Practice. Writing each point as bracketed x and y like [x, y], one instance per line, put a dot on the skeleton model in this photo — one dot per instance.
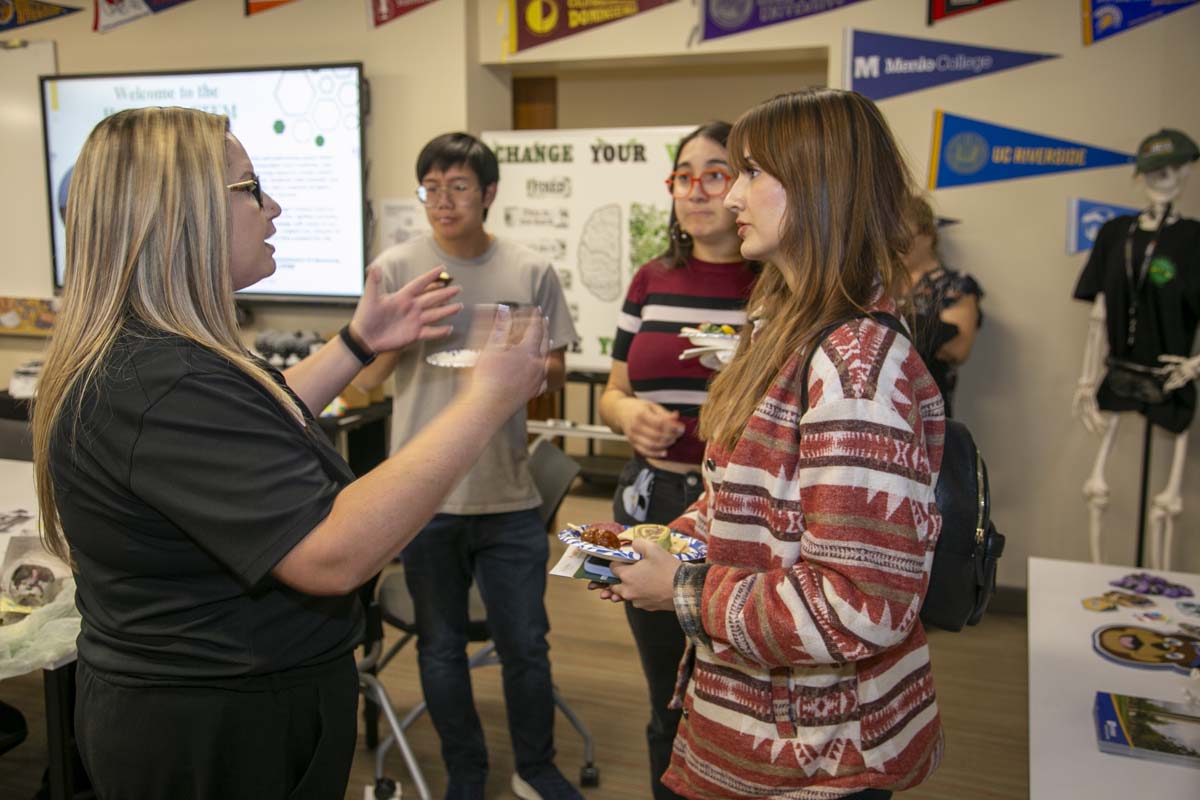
[1137, 322]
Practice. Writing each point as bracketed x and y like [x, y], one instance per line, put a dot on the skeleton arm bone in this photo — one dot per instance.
[1084, 402]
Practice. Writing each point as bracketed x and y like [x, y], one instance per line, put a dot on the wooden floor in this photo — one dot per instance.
[981, 677]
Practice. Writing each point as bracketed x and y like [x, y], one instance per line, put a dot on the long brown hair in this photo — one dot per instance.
[843, 237]
[147, 240]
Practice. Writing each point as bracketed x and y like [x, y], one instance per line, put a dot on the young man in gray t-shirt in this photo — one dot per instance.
[488, 529]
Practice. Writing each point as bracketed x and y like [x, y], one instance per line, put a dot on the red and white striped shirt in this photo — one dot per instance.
[808, 671]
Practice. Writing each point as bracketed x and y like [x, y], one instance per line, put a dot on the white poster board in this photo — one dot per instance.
[400, 219]
[594, 203]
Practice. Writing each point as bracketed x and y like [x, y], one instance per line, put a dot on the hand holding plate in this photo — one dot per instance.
[649, 583]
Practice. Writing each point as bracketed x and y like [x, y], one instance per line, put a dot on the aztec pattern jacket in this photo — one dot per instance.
[807, 673]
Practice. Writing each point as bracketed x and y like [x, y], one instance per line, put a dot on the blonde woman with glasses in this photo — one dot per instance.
[216, 536]
[807, 673]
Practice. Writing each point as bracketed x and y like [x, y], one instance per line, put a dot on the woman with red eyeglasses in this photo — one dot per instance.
[654, 397]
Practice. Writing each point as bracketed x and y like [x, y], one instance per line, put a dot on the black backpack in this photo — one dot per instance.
[963, 576]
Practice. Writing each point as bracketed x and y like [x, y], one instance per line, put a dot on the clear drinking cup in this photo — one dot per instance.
[472, 328]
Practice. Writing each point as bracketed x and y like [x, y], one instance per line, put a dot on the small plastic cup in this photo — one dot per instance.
[472, 327]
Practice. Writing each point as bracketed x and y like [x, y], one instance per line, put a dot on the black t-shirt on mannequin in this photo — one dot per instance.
[1167, 307]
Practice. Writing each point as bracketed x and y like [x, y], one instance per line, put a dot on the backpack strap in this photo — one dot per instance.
[882, 317]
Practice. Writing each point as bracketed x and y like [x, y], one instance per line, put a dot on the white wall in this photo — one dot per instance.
[674, 95]
[1016, 391]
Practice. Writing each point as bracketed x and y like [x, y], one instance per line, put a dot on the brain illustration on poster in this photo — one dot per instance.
[593, 203]
[599, 253]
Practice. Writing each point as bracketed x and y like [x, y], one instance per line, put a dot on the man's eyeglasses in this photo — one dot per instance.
[456, 190]
[712, 183]
[253, 186]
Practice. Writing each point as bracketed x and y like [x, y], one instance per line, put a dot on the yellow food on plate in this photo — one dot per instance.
[660, 535]
[720, 328]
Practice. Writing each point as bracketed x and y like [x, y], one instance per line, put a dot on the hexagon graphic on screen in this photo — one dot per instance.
[316, 106]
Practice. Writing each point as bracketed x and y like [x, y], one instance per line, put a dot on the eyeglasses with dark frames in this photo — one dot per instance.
[253, 186]
[712, 183]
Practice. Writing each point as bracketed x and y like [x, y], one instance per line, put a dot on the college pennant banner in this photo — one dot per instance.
[727, 17]
[534, 22]
[111, 13]
[967, 151]
[1085, 218]
[940, 9]
[258, 6]
[384, 11]
[16, 13]
[881, 65]
[1105, 18]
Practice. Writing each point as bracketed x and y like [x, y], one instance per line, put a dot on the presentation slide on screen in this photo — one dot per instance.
[594, 203]
[301, 128]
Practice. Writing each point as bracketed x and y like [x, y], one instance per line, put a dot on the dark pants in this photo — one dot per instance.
[506, 554]
[660, 641]
[288, 735]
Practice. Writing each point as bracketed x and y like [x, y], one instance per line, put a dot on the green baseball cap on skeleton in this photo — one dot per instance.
[1167, 148]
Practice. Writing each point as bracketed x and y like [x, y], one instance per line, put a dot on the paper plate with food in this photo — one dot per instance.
[615, 541]
[711, 334]
[462, 358]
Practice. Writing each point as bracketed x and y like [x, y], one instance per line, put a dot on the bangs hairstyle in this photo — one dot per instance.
[843, 238]
[459, 149]
[147, 240]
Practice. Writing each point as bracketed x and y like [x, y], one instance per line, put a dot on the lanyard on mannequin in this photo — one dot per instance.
[1136, 283]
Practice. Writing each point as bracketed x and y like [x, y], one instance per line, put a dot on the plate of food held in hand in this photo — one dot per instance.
[614, 541]
[711, 334]
[716, 359]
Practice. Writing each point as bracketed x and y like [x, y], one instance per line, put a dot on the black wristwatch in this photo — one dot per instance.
[361, 353]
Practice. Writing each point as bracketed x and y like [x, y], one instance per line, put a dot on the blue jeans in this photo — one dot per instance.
[506, 553]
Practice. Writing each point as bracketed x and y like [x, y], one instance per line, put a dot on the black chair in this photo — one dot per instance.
[13, 729]
[553, 473]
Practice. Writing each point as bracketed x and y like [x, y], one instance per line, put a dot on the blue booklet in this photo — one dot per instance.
[598, 569]
[1145, 728]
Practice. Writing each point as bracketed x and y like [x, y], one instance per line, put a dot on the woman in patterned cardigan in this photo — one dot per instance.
[807, 673]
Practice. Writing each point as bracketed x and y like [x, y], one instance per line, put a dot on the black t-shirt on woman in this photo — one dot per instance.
[187, 483]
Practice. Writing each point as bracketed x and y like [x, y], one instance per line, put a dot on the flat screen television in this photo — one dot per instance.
[303, 129]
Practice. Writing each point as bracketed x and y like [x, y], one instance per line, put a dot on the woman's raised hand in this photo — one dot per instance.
[512, 365]
[393, 321]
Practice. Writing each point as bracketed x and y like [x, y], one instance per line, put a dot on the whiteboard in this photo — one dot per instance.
[594, 203]
[25, 268]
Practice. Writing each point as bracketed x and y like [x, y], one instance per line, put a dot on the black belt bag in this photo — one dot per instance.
[1137, 382]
